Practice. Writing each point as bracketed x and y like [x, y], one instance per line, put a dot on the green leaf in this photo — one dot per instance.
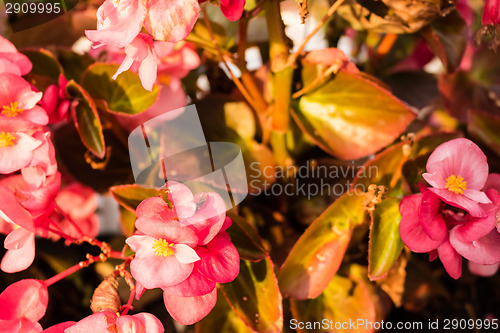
[318, 253]
[222, 319]
[73, 64]
[130, 196]
[123, 95]
[351, 117]
[246, 239]
[345, 300]
[86, 119]
[44, 63]
[385, 242]
[447, 38]
[255, 297]
[484, 127]
[127, 221]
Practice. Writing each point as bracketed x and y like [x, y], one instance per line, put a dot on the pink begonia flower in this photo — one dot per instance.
[17, 144]
[171, 20]
[428, 225]
[11, 61]
[189, 293]
[79, 203]
[22, 305]
[55, 101]
[22, 215]
[219, 262]
[44, 162]
[491, 12]
[232, 9]
[164, 250]
[457, 171]
[175, 61]
[108, 321]
[59, 328]
[140, 50]
[483, 270]
[118, 22]
[19, 101]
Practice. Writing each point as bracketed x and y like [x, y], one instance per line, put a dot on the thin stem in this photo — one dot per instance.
[236, 81]
[320, 24]
[73, 269]
[256, 10]
[129, 306]
[279, 51]
[320, 78]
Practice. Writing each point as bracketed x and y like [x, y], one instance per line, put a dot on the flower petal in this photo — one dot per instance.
[430, 215]
[153, 271]
[21, 258]
[171, 233]
[485, 250]
[451, 260]
[220, 261]
[460, 157]
[460, 201]
[410, 230]
[185, 253]
[172, 20]
[26, 299]
[209, 219]
[483, 270]
[195, 285]
[189, 310]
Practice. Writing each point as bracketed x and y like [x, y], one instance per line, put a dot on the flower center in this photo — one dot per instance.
[163, 248]
[456, 184]
[6, 139]
[12, 110]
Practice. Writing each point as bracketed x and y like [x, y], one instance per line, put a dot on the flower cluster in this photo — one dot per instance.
[30, 180]
[119, 25]
[457, 215]
[184, 250]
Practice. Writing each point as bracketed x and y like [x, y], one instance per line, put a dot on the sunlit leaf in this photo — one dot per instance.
[351, 117]
[344, 301]
[255, 297]
[385, 242]
[130, 196]
[318, 253]
[124, 95]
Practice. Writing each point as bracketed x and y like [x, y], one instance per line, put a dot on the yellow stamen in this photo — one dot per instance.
[12, 110]
[6, 139]
[163, 248]
[456, 184]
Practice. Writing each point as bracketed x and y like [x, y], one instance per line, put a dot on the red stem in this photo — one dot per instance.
[128, 306]
[73, 269]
